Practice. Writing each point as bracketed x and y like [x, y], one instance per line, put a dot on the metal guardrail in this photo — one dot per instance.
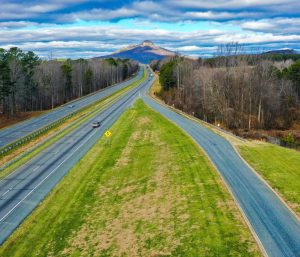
[12, 146]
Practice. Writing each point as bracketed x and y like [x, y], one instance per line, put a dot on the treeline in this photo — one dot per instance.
[251, 59]
[230, 91]
[28, 83]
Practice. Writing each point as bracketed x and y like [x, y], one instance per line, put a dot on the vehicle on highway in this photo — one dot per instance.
[96, 124]
[71, 105]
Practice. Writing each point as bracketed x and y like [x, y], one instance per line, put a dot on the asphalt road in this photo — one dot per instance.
[22, 191]
[277, 228]
[20, 130]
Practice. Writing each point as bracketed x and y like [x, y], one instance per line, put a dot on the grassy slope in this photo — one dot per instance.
[279, 166]
[149, 191]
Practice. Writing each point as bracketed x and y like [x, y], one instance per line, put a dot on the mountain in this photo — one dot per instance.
[282, 51]
[143, 53]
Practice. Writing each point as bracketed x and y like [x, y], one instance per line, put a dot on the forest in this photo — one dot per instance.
[235, 90]
[28, 83]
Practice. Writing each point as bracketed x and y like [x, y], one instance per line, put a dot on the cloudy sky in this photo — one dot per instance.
[80, 28]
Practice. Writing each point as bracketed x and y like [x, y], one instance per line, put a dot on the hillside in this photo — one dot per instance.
[282, 51]
[143, 53]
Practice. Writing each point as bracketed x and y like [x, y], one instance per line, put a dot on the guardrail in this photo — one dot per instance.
[16, 144]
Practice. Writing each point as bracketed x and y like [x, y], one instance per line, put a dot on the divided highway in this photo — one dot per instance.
[22, 191]
[275, 225]
[20, 130]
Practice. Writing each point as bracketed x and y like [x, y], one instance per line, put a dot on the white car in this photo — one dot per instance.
[96, 124]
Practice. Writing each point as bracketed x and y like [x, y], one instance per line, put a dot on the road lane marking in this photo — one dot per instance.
[41, 182]
[36, 168]
[5, 193]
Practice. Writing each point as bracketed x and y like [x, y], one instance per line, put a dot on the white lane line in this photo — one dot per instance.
[5, 193]
[36, 168]
[41, 182]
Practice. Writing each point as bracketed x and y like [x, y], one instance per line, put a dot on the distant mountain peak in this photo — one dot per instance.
[147, 43]
[144, 52]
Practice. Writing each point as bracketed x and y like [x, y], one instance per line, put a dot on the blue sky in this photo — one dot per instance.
[80, 28]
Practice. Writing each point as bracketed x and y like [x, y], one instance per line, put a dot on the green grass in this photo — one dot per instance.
[148, 191]
[279, 166]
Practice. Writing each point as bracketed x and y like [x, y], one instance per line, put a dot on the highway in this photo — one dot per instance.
[22, 129]
[274, 224]
[23, 190]
[276, 227]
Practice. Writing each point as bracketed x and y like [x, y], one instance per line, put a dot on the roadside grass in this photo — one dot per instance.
[60, 131]
[279, 166]
[147, 191]
[156, 88]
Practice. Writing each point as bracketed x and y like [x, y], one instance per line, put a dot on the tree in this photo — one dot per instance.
[4, 79]
[28, 83]
[16, 76]
[166, 77]
[29, 62]
[67, 76]
[293, 74]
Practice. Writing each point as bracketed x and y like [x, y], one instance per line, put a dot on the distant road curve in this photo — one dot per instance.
[22, 129]
[275, 225]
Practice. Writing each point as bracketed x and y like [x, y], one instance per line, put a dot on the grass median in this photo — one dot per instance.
[148, 191]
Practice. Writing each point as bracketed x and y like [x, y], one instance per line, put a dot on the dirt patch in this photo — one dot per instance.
[143, 120]
[125, 156]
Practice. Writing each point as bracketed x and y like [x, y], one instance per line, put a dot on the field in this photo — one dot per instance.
[279, 166]
[146, 191]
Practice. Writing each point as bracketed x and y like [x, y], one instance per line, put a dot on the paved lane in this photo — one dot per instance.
[22, 129]
[277, 228]
[22, 191]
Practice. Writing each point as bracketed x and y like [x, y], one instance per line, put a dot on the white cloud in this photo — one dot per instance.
[275, 25]
[230, 4]
[99, 14]
[252, 22]
[21, 10]
[82, 39]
